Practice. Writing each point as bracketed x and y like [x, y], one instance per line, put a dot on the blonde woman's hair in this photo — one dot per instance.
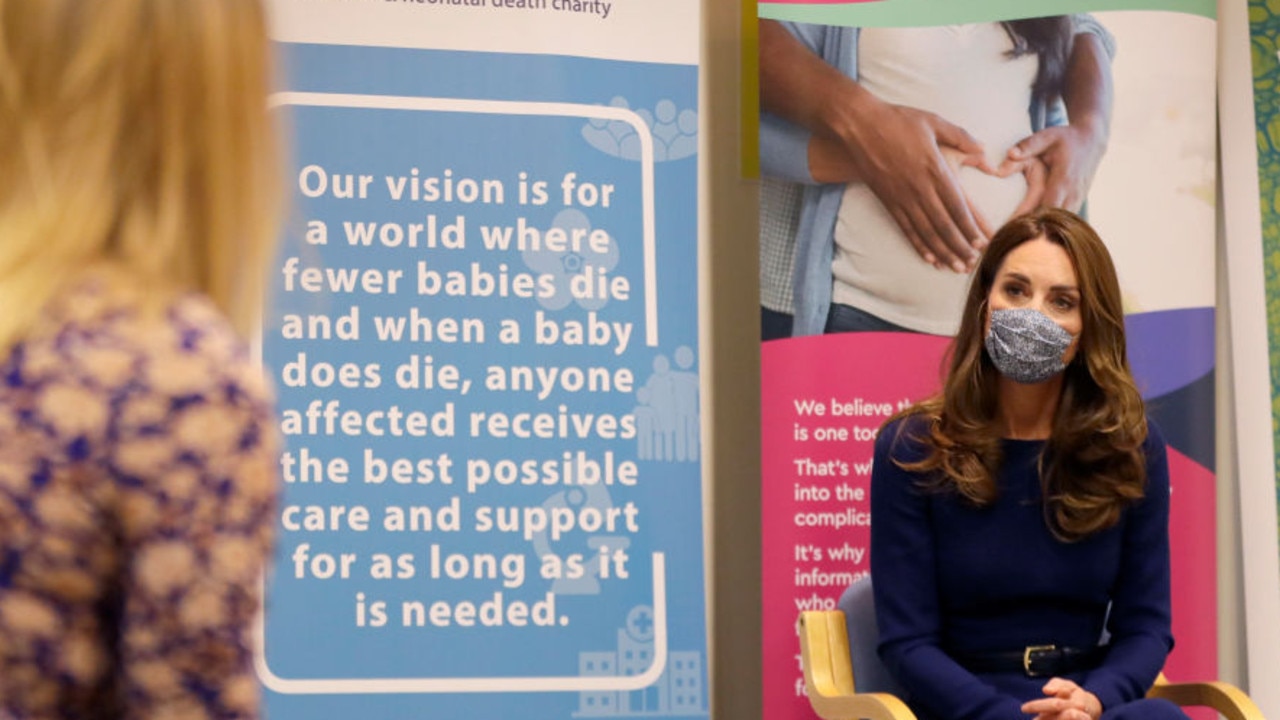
[135, 142]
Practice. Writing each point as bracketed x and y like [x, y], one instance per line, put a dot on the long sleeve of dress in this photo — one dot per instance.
[903, 562]
[1140, 619]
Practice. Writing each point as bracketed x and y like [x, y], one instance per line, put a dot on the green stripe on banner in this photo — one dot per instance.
[1264, 31]
[891, 13]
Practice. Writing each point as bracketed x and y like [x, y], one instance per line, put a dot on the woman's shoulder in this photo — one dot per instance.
[180, 346]
[191, 347]
[1154, 441]
[904, 438]
[1155, 455]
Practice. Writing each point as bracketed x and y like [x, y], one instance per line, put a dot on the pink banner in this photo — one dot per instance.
[1150, 197]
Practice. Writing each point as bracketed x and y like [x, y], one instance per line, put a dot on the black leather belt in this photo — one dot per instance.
[1036, 660]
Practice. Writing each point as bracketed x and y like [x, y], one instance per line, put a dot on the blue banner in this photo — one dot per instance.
[483, 331]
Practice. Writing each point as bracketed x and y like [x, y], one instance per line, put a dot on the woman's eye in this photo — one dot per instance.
[1065, 303]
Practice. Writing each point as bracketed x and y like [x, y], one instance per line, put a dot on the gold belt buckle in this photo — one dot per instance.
[1029, 651]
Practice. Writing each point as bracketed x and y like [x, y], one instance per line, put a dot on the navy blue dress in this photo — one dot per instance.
[952, 579]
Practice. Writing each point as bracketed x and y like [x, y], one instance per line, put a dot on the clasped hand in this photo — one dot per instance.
[1064, 700]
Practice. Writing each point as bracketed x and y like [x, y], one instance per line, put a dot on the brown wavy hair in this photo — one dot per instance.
[1093, 464]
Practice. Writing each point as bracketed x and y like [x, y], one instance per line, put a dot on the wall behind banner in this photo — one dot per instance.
[1248, 116]
[1264, 29]
[1155, 189]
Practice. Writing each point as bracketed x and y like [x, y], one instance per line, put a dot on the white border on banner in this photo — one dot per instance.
[382, 686]
[517, 107]
[336, 686]
[1256, 470]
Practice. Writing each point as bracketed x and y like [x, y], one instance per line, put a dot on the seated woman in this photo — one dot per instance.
[1022, 514]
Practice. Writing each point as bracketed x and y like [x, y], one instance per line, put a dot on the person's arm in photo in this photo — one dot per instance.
[784, 145]
[785, 61]
[1071, 153]
[855, 137]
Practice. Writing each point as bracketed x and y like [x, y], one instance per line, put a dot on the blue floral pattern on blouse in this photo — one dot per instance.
[137, 491]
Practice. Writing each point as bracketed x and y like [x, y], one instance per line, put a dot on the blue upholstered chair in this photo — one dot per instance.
[845, 680]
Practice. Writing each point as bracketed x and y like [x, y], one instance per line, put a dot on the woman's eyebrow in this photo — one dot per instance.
[1015, 275]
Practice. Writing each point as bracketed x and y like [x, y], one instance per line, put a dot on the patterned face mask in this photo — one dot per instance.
[1025, 345]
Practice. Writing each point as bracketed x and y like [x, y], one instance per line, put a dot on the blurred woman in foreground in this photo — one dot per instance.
[137, 446]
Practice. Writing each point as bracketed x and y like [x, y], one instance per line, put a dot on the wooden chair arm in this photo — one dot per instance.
[828, 674]
[1226, 698]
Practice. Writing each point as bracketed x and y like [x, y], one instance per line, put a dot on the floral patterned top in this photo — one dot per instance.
[137, 488]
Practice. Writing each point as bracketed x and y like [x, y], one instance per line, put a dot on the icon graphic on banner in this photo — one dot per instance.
[580, 275]
[667, 416]
[678, 691]
[675, 132]
[593, 496]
